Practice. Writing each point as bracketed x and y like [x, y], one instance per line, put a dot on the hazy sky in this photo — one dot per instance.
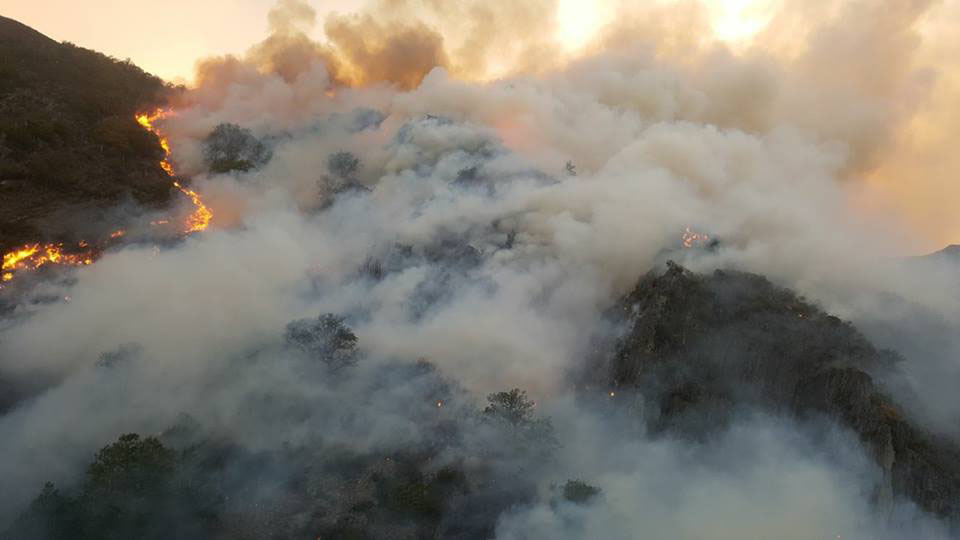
[167, 38]
[164, 38]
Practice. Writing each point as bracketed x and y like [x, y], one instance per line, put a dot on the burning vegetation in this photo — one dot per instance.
[407, 253]
[693, 239]
[34, 256]
[201, 217]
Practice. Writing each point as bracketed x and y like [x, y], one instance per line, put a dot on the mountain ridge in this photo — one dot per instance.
[70, 148]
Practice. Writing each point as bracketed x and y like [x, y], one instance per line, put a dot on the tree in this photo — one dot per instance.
[131, 467]
[579, 492]
[119, 356]
[135, 488]
[515, 411]
[343, 165]
[326, 339]
[513, 407]
[50, 515]
[340, 178]
[233, 148]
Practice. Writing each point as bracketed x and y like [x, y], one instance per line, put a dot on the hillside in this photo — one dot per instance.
[452, 311]
[698, 351]
[69, 145]
[701, 348]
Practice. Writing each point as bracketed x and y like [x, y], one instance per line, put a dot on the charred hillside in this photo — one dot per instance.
[700, 349]
[69, 145]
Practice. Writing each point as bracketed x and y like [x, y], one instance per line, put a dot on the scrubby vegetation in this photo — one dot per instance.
[68, 136]
[453, 478]
[233, 148]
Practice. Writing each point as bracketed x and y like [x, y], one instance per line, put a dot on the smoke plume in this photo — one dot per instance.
[464, 189]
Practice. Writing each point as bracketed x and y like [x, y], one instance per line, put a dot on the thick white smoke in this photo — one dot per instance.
[760, 152]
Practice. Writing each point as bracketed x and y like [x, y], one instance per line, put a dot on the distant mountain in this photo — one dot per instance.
[949, 253]
[69, 145]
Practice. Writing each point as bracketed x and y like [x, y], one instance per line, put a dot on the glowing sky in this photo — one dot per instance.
[157, 36]
[166, 42]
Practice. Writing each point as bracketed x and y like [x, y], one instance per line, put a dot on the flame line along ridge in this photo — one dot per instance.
[36, 255]
[201, 217]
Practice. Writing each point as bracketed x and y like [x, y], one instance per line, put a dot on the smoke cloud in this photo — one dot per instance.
[506, 192]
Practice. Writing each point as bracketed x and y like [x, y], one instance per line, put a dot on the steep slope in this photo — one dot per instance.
[69, 145]
[700, 348]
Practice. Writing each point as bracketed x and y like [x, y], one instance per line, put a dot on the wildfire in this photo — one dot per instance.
[200, 219]
[12, 259]
[34, 256]
[147, 121]
[692, 239]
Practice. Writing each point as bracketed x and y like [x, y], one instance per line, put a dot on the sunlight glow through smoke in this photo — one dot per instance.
[578, 21]
[735, 22]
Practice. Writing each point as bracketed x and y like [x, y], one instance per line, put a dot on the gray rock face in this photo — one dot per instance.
[700, 348]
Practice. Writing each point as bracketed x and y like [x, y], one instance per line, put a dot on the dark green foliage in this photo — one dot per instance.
[346, 528]
[417, 498]
[326, 339]
[412, 494]
[68, 134]
[119, 356]
[513, 407]
[131, 467]
[343, 165]
[133, 489]
[233, 148]
[578, 491]
[340, 178]
[51, 515]
[515, 411]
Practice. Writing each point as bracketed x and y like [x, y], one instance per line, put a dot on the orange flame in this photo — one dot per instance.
[200, 219]
[12, 260]
[147, 121]
[34, 256]
[693, 239]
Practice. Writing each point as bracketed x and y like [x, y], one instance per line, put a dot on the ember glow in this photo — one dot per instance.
[692, 239]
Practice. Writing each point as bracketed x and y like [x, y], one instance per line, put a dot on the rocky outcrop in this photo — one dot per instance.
[701, 347]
